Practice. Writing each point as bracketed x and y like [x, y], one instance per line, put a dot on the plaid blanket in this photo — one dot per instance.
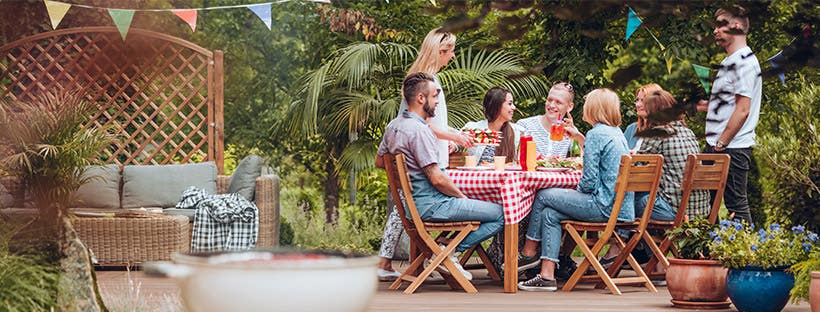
[221, 222]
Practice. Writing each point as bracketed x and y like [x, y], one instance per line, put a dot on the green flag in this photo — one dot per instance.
[703, 76]
[122, 18]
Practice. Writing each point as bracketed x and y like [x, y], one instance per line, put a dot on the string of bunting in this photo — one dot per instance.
[122, 17]
[633, 21]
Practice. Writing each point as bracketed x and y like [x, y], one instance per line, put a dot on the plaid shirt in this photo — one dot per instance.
[675, 148]
[221, 222]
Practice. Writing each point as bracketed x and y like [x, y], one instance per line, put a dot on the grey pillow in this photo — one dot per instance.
[162, 185]
[244, 177]
[102, 189]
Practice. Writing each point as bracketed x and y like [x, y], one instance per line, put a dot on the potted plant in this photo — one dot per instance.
[695, 280]
[807, 279]
[758, 260]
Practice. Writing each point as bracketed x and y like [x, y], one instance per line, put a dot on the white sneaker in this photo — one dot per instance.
[385, 274]
[454, 257]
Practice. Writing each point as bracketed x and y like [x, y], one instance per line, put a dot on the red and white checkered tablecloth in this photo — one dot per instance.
[515, 190]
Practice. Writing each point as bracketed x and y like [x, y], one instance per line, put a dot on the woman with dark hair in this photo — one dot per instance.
[498, 109]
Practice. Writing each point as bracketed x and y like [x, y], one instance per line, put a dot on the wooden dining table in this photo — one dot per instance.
[515, 191]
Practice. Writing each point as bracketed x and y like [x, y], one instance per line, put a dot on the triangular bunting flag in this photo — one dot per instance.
[122, 18]
[263, 11]
[703, 76]
[775, 61]
[56, 11]
[632, 23]
[188, 16]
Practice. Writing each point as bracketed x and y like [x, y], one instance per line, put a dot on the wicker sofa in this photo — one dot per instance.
[123, 236]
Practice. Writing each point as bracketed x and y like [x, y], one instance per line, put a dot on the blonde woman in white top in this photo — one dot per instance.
[437, 50]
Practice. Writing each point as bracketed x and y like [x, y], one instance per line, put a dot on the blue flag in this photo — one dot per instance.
[632, 23]
[262, 10]
[775, 61]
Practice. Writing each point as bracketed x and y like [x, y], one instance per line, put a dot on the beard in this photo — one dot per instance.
[431, 111]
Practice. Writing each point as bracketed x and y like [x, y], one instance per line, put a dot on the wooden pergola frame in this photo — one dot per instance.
[162, 94]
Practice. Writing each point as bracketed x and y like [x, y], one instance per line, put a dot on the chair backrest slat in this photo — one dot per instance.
[704, 172]
[399, 179]
[637, 173]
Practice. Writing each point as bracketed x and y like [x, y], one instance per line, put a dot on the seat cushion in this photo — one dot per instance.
[102, 189]
[243, 180]
[162, 185]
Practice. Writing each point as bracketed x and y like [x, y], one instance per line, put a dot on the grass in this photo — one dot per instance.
[27, 282]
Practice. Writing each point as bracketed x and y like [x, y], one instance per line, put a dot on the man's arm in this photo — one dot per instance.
[380, 161]
[441, 181]
[456, 137]
[742, 106]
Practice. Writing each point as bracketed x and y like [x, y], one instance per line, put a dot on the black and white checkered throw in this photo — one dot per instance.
[221, 222]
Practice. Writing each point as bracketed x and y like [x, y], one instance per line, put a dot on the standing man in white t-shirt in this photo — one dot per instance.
[734, 107]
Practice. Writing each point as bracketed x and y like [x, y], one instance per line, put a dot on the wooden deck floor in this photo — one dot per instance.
[158, 294]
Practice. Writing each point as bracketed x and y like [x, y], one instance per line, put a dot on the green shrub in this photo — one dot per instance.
[27, 282]
[789, 155]
[802, 275]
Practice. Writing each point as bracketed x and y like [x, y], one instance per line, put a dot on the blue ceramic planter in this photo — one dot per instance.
[753, 289]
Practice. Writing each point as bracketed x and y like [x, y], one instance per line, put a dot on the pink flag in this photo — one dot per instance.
[188, 16]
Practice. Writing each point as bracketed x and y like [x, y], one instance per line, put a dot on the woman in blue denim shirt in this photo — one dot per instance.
[592, 200]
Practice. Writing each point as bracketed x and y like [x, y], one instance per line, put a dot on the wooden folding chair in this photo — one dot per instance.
[422, 244]
[638, 173]
[703, 172]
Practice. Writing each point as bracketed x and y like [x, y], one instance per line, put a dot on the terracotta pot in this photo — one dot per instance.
[697, 284]
[814, 291]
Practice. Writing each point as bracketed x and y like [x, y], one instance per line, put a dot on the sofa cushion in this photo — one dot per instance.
[102, 190]
[162, 185]
[243, 180]
[180, 212]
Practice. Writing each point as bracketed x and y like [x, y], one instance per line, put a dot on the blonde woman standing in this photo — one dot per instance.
[437, 50]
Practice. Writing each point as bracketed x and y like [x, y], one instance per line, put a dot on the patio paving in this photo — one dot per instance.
[160, 294]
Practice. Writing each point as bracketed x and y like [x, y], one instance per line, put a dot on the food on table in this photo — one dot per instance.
[484, 136]
[575, 163]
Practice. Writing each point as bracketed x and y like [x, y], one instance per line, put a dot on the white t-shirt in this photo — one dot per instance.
[440, 122]
[739, 74]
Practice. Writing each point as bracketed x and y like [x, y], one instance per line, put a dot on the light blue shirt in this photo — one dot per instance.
[629, 134]
[603, 148]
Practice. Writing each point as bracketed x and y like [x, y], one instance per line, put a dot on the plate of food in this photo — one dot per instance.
[553, 169]
[476, 168]
[574, 163]
[484, 136]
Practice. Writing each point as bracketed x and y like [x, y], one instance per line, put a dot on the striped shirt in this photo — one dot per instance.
[541, 137]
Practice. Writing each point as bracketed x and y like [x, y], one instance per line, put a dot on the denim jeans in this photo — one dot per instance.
[734, 195]
[554, 205]
[660, 212]
[436, 207]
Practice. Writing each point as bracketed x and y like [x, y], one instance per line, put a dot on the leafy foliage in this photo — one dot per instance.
[45, 143]
[691, 239]
[790, 149]
[802, 275]
[29, 282]
[737, 245]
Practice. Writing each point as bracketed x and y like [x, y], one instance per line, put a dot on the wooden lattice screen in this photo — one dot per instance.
[163, 94]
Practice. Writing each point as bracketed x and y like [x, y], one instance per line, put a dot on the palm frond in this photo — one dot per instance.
[359, 155]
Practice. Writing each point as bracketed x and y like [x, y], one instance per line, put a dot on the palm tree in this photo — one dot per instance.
[351, 97]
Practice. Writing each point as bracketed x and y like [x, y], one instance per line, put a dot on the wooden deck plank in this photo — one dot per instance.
[160, 294]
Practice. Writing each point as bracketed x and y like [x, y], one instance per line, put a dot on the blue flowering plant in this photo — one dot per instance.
[738, 245]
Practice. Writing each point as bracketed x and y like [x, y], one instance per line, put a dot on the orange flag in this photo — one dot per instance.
[188, 16]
